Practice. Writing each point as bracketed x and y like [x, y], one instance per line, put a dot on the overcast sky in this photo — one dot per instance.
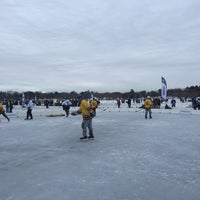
[99, 45]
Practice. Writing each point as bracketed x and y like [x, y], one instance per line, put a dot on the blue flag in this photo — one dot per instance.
[163, 89]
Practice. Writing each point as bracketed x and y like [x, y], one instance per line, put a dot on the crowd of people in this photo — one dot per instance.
[88, 109]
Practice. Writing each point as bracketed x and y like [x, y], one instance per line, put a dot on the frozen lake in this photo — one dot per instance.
[131, 158]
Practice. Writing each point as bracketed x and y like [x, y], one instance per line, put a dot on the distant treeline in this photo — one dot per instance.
[189, 92]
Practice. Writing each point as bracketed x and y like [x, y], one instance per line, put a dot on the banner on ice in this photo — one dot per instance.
[163, 89]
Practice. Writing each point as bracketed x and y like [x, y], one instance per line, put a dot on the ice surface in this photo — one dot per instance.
[131, 158]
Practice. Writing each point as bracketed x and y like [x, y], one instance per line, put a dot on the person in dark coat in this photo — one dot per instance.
[7, 106]
[173, 103]
[129, 102]
[198, 103]
[10, 106]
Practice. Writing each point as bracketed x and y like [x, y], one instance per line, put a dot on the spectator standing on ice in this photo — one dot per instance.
[129, 102]
[147, 105]
[87, 119]
[66, 106]
[198, 102]
[2, 112]
[118, 103]
[29, 109]
[11, 106]
[46, 103]
[7, 106]
[194, 103]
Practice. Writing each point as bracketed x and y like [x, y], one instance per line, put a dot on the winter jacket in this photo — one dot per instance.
[148, 103]
[30, 104]
[84, 109]
[1, 109]
[66, 103]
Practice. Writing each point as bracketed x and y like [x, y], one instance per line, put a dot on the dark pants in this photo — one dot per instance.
[29, 114]
[4, 114]
[66, 109]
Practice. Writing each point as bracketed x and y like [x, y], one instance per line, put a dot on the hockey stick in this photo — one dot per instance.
[139, 110]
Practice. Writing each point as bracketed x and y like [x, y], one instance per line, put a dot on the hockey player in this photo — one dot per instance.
[87, 119]
[66, 106]
[29, 109]
[147, 105]
[2, 112]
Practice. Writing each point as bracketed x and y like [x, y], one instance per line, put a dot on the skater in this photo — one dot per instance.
[147, 105]
[66, 106]
[87, 119]
[173, 103]
[29, 110]
[2, 112]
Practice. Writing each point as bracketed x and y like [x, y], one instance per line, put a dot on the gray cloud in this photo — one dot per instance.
[100, 46]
